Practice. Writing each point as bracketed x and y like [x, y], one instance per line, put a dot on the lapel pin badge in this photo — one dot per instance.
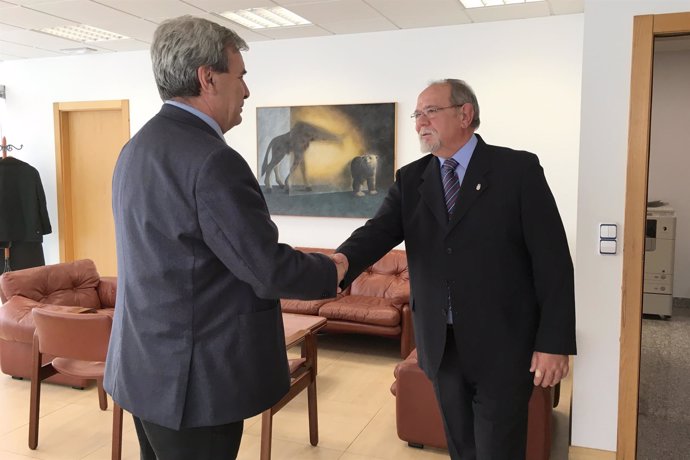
[479, 187]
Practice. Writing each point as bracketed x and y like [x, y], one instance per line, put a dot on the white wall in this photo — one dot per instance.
[3, 109]
[34, 85]
[601, 198]
[669, 160]
[526, 74]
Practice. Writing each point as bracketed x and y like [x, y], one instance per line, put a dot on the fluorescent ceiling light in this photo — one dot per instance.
[83, 33]
[483, 3]
[82, 50]
[262, 18]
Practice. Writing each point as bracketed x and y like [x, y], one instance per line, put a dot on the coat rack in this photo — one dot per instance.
[8, 148]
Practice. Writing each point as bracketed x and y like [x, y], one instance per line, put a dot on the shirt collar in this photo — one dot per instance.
[208, 120]
[464, 155]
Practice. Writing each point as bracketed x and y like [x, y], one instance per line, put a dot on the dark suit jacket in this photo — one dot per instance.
[503, 259]
[23, 213]
[198, 336]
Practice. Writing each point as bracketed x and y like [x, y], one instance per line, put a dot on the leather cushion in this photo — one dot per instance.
[387, 278]
[79, 369]
[17, 323]
[362, 309]
[72, 283]
[107, 289]
[302, 307]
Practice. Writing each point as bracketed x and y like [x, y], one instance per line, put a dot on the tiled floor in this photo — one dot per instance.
[356, 415]
[664, 403]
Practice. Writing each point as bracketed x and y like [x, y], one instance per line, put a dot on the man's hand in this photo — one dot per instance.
[548, 369]
[341, 265]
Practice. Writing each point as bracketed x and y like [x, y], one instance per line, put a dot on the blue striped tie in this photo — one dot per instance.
[451, 184]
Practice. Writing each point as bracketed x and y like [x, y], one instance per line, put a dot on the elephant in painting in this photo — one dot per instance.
[295, 142]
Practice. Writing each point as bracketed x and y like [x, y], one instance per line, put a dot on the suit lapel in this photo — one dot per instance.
[431, 190]
[474, 183]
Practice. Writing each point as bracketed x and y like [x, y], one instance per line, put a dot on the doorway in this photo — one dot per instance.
[645, 30]
[663, 422]
[88, 140]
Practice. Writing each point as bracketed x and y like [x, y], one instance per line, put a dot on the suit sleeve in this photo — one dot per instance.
[552, 267]
[376, 237]
[237, 226]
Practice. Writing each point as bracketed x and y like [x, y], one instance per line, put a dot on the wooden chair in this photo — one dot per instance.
[302, 375]
[79, 342]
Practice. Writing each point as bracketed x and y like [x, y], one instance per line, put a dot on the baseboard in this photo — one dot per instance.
[584, 453]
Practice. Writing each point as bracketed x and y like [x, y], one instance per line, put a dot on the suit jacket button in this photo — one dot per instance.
[449, 250]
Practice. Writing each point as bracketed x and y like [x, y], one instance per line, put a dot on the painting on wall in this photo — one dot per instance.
[326, 160]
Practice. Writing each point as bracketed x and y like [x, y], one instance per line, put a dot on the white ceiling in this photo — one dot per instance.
[137, 19]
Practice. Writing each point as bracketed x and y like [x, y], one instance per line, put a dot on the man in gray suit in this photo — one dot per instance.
[198, 344]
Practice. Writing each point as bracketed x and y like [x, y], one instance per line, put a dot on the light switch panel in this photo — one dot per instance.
[608, 231]
[607, 247]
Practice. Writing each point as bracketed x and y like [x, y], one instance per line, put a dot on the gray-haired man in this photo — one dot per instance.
[198, 343]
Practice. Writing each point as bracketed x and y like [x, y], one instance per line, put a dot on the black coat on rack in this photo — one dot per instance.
[23, 214]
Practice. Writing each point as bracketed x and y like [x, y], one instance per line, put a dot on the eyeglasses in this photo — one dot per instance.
[431, 112]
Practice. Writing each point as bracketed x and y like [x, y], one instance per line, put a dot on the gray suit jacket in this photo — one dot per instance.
[197, 335]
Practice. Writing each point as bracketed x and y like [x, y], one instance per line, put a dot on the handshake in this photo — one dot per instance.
[341, 265]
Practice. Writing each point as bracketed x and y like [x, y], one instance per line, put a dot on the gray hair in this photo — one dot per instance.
[182, 45]
[461, 93]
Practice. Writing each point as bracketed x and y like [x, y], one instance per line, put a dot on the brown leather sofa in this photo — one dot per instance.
[376, 303]
[418, 418]
[71, 287]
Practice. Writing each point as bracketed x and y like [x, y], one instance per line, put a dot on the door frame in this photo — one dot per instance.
[645, 30]
[61, 112]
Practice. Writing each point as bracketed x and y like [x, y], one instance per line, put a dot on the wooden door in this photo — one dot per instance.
[645, 30]
[89, 137]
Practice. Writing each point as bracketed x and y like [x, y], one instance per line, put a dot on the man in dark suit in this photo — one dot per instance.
[490, 272]
[197, 343]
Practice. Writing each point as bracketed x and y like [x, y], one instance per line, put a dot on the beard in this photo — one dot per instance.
[429, 145]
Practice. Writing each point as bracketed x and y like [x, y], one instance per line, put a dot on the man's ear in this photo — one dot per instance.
[205, 76]
[467, 111]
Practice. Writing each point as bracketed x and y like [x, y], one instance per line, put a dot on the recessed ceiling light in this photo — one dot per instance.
[262, 18]
[483, 3]
[82, 50]
[83, 33]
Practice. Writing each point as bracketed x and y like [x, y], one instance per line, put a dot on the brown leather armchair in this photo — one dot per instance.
[71, 287]
[418, 418]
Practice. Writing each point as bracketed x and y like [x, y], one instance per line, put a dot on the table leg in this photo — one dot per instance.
[266, 433]
[312, 358]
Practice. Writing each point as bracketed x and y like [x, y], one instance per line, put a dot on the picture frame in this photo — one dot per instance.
[326, 160]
